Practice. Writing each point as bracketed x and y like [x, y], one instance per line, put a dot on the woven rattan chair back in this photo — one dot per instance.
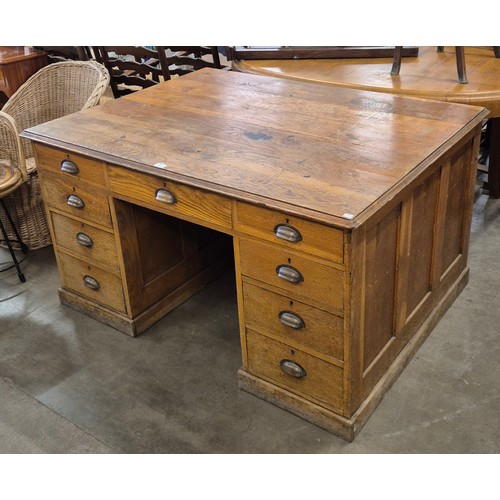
[56, 90]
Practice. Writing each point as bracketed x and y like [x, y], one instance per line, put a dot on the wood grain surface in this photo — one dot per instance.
[323, 151]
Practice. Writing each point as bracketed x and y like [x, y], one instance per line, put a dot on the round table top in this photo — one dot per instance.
[431, 75]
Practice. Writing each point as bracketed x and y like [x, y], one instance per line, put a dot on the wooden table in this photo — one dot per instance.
[345, 213]
[431, 75]
[17, 64]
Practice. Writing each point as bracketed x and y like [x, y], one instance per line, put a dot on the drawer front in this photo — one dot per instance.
[292, 272]
[293, 321]
[290, 231]
[70, 166]
[77, 199]
[297, 371]
[91, 282]
[86, 241]
[171, 198]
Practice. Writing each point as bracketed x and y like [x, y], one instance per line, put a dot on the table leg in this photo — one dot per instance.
[494, 161]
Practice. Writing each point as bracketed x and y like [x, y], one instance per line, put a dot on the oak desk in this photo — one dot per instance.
[347, 214]
[431, 75]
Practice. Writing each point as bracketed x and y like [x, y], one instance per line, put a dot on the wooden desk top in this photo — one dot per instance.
[431, 75]
[312, 150]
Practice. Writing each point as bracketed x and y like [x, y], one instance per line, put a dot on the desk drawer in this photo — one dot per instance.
[76, 198]
[293, 321]
[292, 272]
[70, 166]
[171, 198]
[91, 282]
[294, 370]
[293, 232]
[86, 241]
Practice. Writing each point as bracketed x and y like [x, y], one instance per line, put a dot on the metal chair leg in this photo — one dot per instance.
[24, 247]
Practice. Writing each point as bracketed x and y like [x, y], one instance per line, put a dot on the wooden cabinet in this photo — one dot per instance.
[17, 64]
[348, 245]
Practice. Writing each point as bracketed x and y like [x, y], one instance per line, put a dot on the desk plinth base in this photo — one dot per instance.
[348, 428]
[314, 413]
[140, 323]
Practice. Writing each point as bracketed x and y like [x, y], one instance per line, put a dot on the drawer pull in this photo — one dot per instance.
[292, 368]
[165, 196]
[288, 233]
[85, 240]
[289, 273]
[75, 201]
[91, 283]
[292, 320]
[69, 167]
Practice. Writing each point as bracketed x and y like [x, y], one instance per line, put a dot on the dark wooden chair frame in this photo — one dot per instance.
[142, 67]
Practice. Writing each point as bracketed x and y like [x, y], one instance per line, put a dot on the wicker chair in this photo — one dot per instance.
[54, 91]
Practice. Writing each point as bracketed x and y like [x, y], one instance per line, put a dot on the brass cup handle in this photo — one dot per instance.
[85, 240]
[287, 233]
[291, 319]
[70, 167]
[292, 368]
[75, 201]
[289, 273]
[165, 196]
[91, 283]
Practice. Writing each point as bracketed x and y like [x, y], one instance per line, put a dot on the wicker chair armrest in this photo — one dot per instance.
[104, 79]
[10, 144]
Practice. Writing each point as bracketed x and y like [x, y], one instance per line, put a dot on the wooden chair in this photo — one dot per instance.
[52, 92]
[132, 68]
[58, 54]
[184, 60]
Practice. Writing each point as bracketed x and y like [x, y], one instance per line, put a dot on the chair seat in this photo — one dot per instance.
[10, 178]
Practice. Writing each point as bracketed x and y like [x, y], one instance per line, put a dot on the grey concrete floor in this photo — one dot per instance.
[69, 384]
